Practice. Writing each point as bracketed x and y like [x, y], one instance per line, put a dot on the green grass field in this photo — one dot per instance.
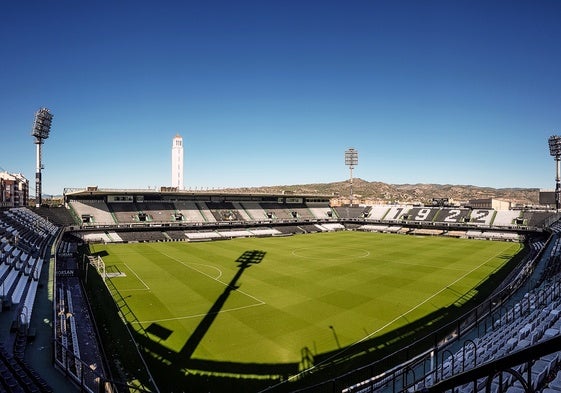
[264, 300]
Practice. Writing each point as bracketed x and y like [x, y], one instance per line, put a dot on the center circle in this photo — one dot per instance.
[330, 253]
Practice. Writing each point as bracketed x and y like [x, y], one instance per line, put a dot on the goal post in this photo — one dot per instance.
[99, 265]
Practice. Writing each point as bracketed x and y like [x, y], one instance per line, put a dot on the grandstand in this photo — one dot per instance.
[510, 321]
[25, 241]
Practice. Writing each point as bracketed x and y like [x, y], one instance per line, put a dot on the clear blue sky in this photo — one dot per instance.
[274, 92]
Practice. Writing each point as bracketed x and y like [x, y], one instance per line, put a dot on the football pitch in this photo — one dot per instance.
[263, 300]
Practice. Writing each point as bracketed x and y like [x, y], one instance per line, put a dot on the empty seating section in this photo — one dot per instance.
[18, 291]
[301, 212]
[374, 228]
[427, 232]
[378, 212]
[96, 237]
[345, 212]
[224, 211]
[17, 376]
[189, 211]
[425, 214]
[95, 211]
[241, 211]
[255, 211]
[482, 216]
[203, 235]
[309, 228]
[277, 211]
[321, 213]
[234, 233]
[452, 215]
[430, 214]
[396, 212]
[207, 215]
[125, 211]
[227, 234]
[67, 333]
[142, 236]
[536, 218]
[58, 215]
[157, 211]
[265, 231]
[458, 234]
[289, 229]
[535, 318]
[506, 218]
[329, 227]
[25, 240]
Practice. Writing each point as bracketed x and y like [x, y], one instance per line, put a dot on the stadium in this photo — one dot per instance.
[171, 290]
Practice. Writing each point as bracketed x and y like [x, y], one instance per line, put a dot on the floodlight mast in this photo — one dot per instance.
[555, 152]
[41, 130]
[351, 160]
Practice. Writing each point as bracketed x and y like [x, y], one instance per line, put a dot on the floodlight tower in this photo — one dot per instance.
[555, 151]
[41, 130]
[351, 160]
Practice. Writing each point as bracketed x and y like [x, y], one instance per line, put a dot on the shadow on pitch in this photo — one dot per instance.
[245, 260]
[173, 365]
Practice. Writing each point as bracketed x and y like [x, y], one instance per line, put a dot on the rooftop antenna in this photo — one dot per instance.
[41, 130]
[351, 160]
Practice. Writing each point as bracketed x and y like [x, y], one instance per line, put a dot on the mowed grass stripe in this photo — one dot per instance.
[359, 284]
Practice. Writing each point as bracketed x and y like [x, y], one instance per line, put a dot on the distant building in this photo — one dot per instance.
[547, 197]
[490, 203]
[177, 162]
[14, 190]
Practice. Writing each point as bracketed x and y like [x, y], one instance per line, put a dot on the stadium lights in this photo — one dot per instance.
[351, 160]
[41, 130]
[555, 152]
[42, 125]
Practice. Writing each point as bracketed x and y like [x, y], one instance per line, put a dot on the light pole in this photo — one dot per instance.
[351, 160]
[335, 336]
[555, 151]
[41, 130]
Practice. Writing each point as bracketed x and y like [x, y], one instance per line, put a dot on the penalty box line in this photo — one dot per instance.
[197, 315]
[146, 287]
[214, 278]
[259, 301]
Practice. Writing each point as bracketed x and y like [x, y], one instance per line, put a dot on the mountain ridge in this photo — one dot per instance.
[417, 192]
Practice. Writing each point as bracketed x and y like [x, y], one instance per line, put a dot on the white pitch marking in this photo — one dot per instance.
[188, 265]
[365, 254]
[137, 276]
[261, 302]
[198, 315]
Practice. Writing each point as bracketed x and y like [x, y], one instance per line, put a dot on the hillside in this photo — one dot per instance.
[404, 192]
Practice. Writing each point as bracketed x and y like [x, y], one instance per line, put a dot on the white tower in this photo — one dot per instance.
[177, 162]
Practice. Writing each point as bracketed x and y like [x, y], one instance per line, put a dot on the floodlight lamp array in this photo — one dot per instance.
[351, 157]
[42, 124]
[555, 146]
